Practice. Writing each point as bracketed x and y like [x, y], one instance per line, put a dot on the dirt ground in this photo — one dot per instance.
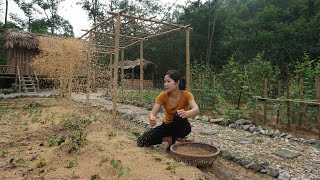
[58, 139]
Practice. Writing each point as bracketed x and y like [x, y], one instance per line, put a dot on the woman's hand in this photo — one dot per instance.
[182, 113]
[153, 121]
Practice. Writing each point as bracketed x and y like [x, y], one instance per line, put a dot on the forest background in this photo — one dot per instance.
[240, 41]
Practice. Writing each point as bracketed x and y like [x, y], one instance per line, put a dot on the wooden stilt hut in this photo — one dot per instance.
[132, 74]
[20, 48]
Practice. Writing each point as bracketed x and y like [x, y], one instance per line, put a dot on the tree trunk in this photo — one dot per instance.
[210, 42]
[6, 15]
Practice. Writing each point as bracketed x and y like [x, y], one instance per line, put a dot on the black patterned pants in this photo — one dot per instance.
[179, 128]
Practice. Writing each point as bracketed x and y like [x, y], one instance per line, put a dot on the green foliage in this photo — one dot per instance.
[135, 135]
[77, 139]
[3, 154]
[202, 83]
[122, 171]
[233, 77]
[13, 89]
[54, 141]
[257, 71]
[75, 121]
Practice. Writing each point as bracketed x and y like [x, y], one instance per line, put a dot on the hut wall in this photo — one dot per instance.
[22, 58]
[135, 84]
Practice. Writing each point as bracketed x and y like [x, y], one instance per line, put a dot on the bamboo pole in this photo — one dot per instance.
[300, 96]
[122, 71]
[115, 67]
[317, 79]
[112, 34]
[141, 70]
[279, 95]
[265, 95]
[199, 90]
[89, 70]
[188, 76]
[288, 105]
[99, 24]
[148, 19]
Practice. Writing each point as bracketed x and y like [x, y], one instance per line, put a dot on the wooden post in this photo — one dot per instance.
[300, 97]
[141, 70]
[198, 89]
[70, 80]
[288, 105]
[202, 90]
[279, 95]
[122, 72]
[115, 67]
[265, 95]
[318, 100]
[89, 69]
[109, 75]
[188, 76]
[132, 78]
[213, 90]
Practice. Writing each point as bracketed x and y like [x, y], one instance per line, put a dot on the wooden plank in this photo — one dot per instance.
[188, 76]
[265, 95]
[115, 68]
[317, 79]
[279, 105]
[141, 70]
[288, 105]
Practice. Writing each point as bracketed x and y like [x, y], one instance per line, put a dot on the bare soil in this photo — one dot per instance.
[31, 129]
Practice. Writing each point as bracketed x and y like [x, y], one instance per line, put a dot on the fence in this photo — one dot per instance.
[206, 99]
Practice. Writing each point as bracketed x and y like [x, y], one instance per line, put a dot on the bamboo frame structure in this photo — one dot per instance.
[120, 31]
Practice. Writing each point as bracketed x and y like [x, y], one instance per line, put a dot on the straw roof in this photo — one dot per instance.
[136, 63]
[19, 39]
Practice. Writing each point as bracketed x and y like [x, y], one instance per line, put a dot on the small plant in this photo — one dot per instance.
[135, 135]
[74, 121]
[172, 168]
[53, 140]
[20, 160]
[40, 163]
[122, 171]
[104, 159]
[77, 139]
[3, 154]
[71, 164]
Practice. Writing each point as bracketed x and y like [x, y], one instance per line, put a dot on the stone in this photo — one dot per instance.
[216, 120]
[252, 128]
[284, 175]
[249, 166]
[197, 117]
[317, 145]
[276, 133]
[286, 154]
[270, 132]
[232, 126]
[272, 172]
[246, 127]
[244, 141]
[208, 132]
[243, 122]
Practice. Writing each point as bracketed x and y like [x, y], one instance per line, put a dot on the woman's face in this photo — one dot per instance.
[169, 84]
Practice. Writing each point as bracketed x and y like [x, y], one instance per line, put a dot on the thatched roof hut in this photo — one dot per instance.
[19, 39]
[20, 47]
[133, 68]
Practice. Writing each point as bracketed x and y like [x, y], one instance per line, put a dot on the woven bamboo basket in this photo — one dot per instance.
[193, 159]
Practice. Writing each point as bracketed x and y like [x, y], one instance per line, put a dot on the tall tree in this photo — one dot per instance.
[6, 14]
[57, 24]
[94, 8]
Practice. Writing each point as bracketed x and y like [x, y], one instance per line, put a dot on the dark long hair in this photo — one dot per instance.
[176, 76]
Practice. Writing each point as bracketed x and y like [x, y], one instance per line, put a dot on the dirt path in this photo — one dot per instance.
[222, 169]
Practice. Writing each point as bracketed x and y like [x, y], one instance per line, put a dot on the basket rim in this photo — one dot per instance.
[194, 156]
